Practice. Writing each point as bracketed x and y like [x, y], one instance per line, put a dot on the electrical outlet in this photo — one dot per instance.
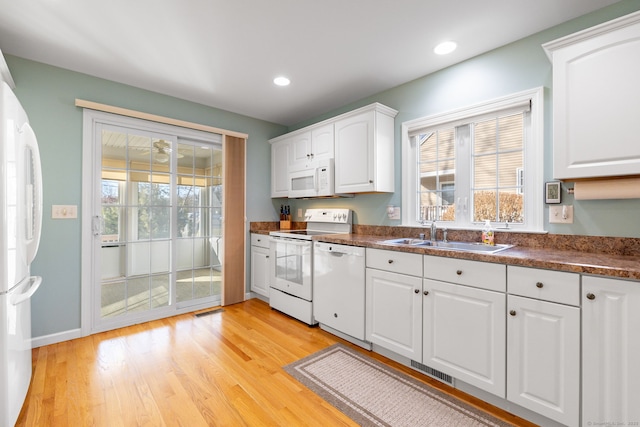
[561, 214]
[64, 211]
[393, 212]
[299, 213]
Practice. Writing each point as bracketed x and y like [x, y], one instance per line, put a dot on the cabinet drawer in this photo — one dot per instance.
[397, 262]
[484, 275]
[547, 285]
[260, 240]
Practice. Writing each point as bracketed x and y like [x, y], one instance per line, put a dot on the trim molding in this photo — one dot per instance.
[56, 338]
[154, 118]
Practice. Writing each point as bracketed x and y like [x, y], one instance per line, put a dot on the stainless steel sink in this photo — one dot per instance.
[405, 241]
[456, 246]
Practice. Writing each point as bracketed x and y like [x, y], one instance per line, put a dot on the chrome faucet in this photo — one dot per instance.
[434, 230]
[444, 235]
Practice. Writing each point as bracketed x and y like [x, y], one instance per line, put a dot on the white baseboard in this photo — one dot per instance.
[55, 338]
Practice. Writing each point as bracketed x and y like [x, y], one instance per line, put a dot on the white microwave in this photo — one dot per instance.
[316, 179]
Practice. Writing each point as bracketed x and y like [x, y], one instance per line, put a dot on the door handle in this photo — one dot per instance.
[96, 225]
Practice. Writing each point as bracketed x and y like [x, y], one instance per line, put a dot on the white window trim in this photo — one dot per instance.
[533, 153]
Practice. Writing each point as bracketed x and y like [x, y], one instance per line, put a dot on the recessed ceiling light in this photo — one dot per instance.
[445, 47]
[281, 81]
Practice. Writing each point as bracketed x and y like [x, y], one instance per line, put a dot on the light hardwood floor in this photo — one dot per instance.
[221, 369]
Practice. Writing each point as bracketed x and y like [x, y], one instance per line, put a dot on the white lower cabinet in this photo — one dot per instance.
[394, 302]
[260, 264]
[464, 334]
[533, 337]
[610, 352]
[543, 358]
[543, 342]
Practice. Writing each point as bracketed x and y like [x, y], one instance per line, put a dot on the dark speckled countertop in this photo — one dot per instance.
[607, 256]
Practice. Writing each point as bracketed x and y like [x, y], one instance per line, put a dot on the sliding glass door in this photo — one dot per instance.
[199, 228]
[157, 224]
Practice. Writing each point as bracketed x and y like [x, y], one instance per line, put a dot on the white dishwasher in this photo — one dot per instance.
[339, 287]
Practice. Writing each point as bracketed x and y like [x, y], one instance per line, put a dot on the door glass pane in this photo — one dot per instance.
[199, 207]
[136, 222]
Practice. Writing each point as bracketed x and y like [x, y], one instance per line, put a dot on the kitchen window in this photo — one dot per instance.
[475, 164]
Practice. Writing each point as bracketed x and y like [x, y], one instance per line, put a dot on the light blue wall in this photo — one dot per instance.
[48, 95]
[512, 68]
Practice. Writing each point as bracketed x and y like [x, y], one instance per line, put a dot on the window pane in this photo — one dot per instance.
[511, 132]
[161, 190]
[161, 155]
[436, 164]
[144, 224]
[139, 152]
[184, 286]
[138, 295]
[510, 163]
[484, 137]
[160, 291]
[484, 206]
[511, 206]
[160, 223]
[498, 166]
[484, 172]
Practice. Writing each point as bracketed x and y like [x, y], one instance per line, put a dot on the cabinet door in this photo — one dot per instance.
[300, 150]
[610, 351]
[595, 99]
[260, 270]
[464, 334]
[322, 146]
[543, 358]
[354, 160]
[280, 168]
[394, 312]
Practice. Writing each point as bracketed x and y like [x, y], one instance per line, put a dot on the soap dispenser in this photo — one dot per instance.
[487, 234]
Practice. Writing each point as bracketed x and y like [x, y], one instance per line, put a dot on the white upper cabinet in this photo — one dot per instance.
[361, 142]
[280, 168]
[595, 100]
[316, 144]
[364, 144]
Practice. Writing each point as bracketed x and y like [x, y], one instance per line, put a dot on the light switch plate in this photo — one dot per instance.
[394, 213]
[561, 214]
[64, 211]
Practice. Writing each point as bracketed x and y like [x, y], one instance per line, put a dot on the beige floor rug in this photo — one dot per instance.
[373, 394]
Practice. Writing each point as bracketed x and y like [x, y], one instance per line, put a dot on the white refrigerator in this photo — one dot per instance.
[20, 224]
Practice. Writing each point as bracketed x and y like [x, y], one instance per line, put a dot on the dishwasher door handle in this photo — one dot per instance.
[337, 252]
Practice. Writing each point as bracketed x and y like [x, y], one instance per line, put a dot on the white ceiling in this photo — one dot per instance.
[225, 53]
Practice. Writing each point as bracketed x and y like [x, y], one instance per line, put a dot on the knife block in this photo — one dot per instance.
[285, 224]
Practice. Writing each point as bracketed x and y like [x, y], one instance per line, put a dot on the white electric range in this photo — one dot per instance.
[291, 253]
